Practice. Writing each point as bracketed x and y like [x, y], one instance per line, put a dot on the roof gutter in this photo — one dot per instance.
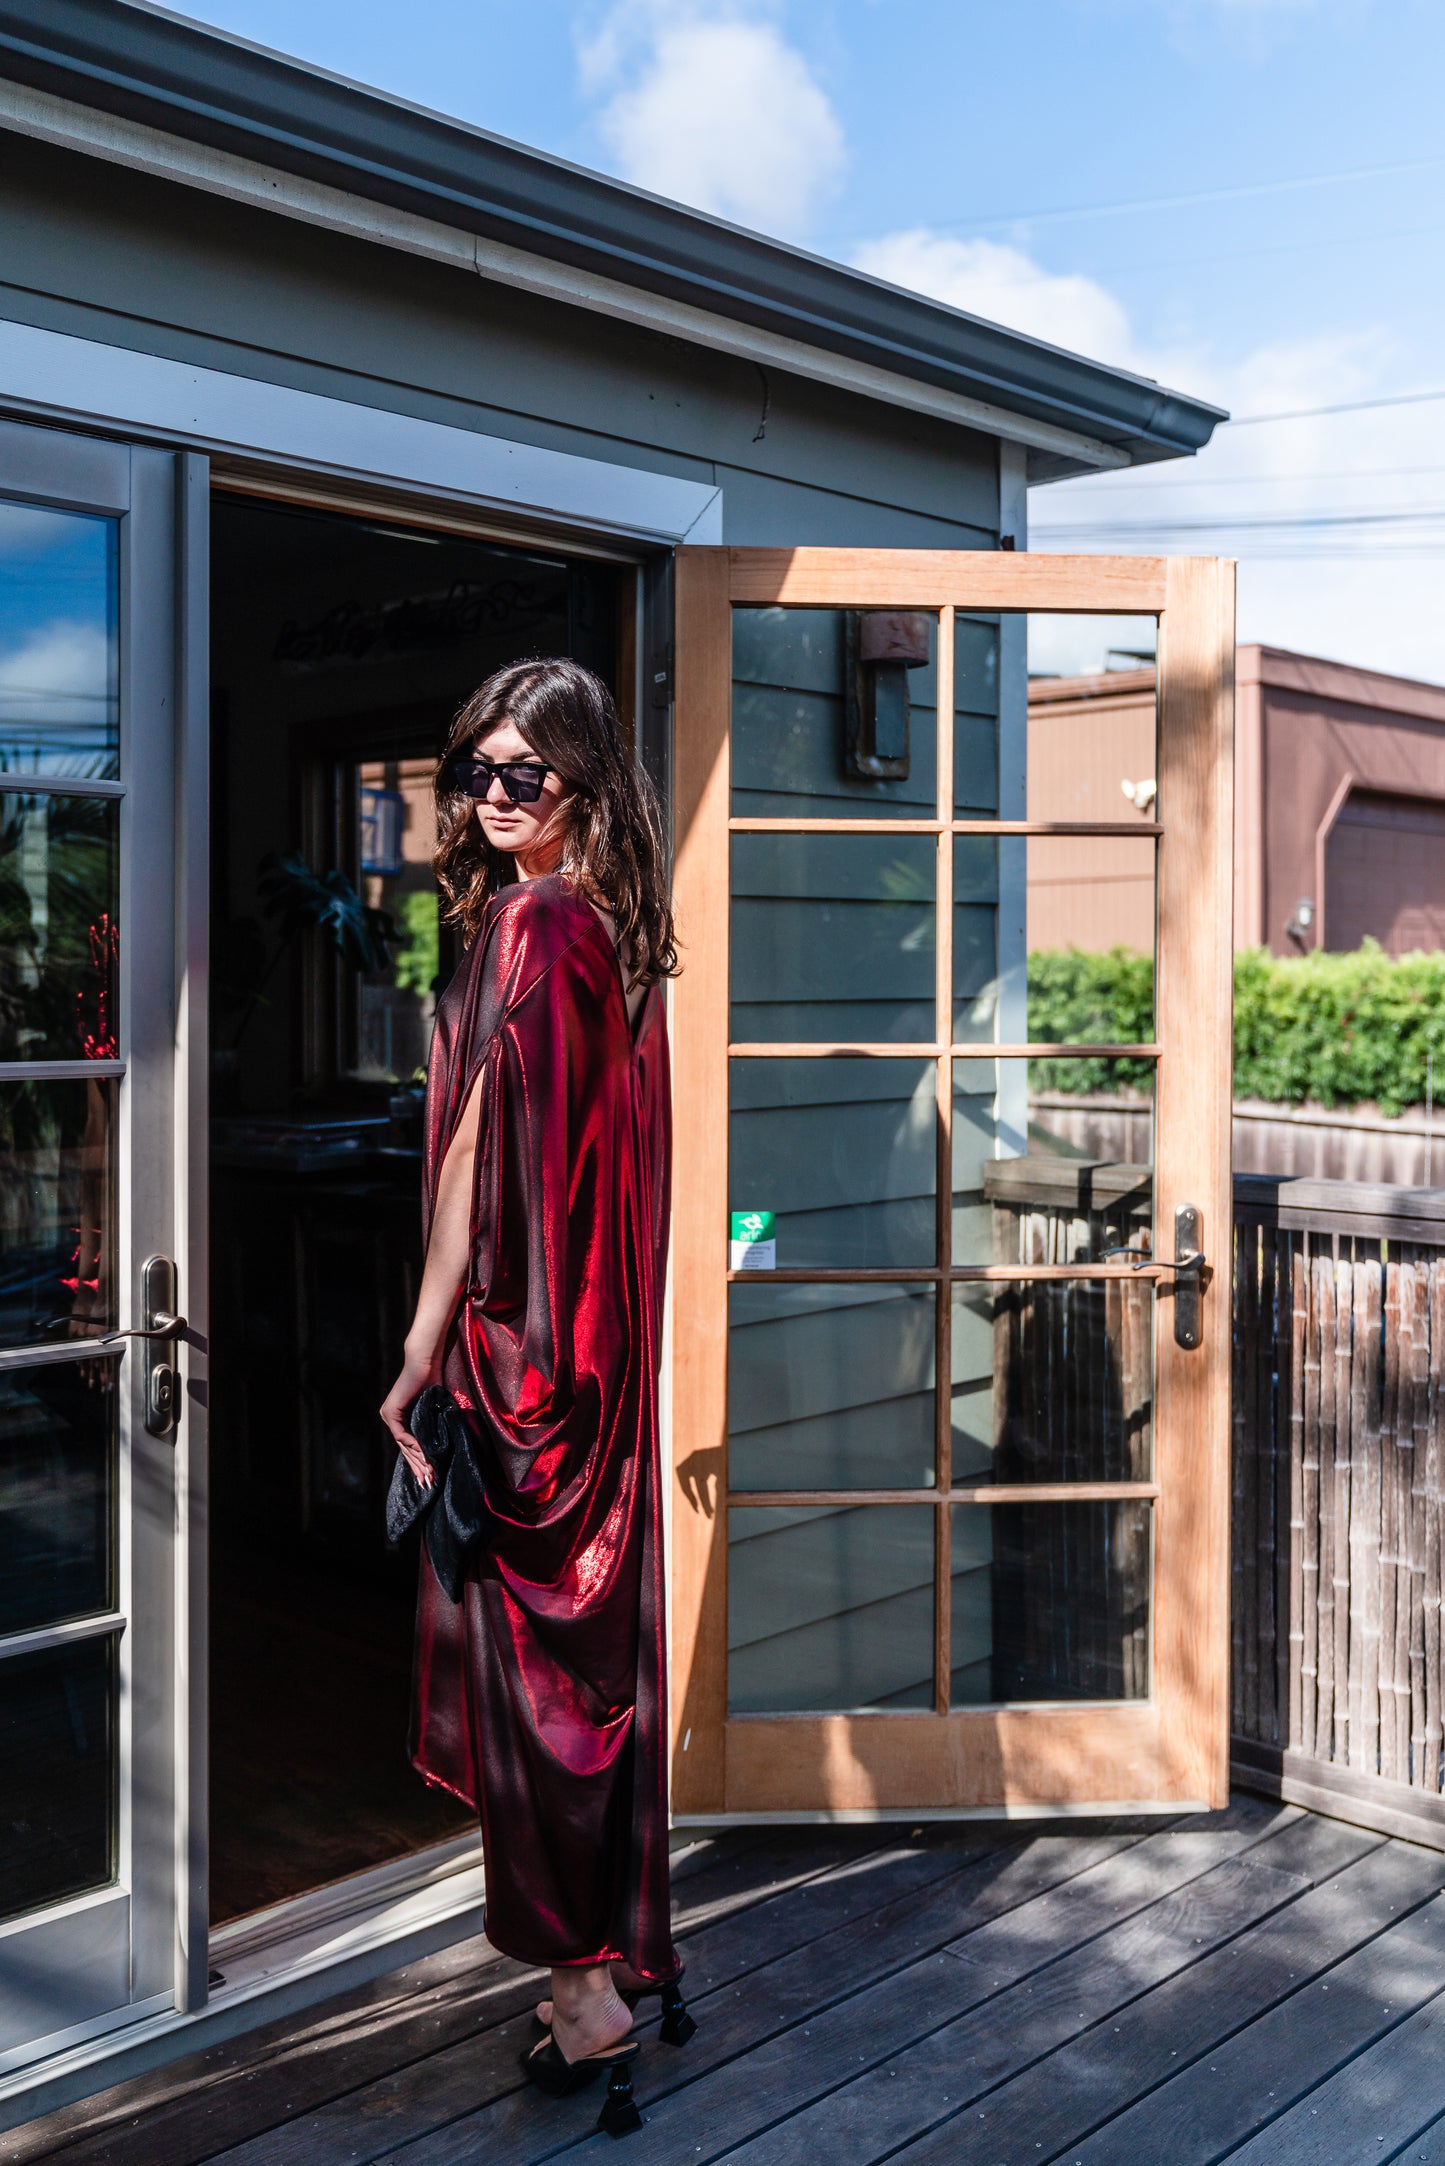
[176, 77]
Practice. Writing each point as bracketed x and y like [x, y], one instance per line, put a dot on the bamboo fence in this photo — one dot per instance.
[1338, 1494]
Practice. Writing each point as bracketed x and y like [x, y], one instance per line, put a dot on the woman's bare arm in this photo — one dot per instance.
[443, 1278]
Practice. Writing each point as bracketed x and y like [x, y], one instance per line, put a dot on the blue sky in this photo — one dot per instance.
[1245, 198]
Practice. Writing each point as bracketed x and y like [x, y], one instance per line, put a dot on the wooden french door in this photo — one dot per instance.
[952, 1050]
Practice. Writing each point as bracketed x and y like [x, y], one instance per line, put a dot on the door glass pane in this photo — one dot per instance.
[58, 617]
[832, 938]
[1049, 1170]
[57, 1779]
[830, 1387]
[396, 835]
[1092, 717]
[57, 1235]
[57, 1486]
[1050, 1602]
[1053, 1380]
[834, 714]
[58, 938]
[842, 1153]
[976, 765]
[1033, 959]
[829, 1608]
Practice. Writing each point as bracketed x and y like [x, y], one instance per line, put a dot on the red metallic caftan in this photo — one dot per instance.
[541, 1698]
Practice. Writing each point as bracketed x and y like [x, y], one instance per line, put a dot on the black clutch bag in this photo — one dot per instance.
[450, 1507]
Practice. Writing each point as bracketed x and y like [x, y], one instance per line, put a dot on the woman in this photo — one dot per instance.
[540, 1697]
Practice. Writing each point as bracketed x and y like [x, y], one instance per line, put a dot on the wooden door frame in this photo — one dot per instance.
[1163, 1753]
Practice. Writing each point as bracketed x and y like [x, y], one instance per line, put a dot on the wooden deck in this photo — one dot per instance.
[1262, 1986]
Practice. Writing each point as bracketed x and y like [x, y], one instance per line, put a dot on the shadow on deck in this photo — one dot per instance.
[1260, 1985]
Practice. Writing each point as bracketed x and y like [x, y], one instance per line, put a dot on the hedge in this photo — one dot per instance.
[1334, 1029]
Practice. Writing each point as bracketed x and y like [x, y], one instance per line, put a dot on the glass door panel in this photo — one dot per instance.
[87, 1149]
[946, 1044]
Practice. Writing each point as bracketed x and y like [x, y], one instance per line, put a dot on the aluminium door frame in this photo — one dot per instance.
[1163, 1754]
[245, 434]
[129, 1924]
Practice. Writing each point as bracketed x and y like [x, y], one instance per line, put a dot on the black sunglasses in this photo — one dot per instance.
[521, 779]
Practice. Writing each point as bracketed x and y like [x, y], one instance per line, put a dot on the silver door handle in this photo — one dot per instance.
[164, 1327]
[163, 1324]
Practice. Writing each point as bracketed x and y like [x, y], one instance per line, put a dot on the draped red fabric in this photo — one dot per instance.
[541, 1697]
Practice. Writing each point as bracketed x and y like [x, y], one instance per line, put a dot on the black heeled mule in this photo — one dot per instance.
[677, 2027]
[548, 2067]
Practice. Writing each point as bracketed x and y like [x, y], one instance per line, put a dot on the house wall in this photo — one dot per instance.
[121, 257]
[1339, 799]
[1087, 736]
[1352, 792]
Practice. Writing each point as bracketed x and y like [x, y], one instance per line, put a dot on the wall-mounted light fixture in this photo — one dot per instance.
[1141, 795]
[880, 647]
[1298, 927]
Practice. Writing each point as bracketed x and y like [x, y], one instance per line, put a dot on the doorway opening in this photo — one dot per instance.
[341, 648]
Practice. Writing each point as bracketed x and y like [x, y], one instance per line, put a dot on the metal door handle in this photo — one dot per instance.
[1189, 1264]
[163, 1323]
[164, 1327]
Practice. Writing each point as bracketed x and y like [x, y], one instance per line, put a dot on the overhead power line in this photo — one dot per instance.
[1304, 522]
[1346, 406]
[1236, 193]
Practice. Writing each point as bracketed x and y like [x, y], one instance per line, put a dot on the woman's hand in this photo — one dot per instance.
[417, 1372]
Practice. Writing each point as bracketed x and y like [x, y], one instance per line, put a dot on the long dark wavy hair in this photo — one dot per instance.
[608, 824]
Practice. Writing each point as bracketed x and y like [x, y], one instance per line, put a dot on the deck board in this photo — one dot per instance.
[1263, 1986]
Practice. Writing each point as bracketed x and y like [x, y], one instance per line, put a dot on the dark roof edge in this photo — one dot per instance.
[184, 79]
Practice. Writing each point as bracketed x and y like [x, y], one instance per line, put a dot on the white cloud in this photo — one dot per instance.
[59, 673]
[1003, 284]
[715, 108]
[1364, 594]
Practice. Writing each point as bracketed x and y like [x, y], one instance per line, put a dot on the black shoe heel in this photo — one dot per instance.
[549, 2068]
[677, 2025]
[619, 2115]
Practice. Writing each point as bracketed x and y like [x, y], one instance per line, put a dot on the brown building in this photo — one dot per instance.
[1339, 806]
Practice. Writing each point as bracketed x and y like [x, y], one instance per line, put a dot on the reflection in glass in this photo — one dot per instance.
[830, 1387]
[832, 938]
[58, 664]
[1050, 1602]
[791, 673]
[57, 1774]
[1053, 1380]
[58, 938]
[976, 719]
[1052, 1160]
[57, 1480]
[842, 1152]
[1031, 963]
[57, 1221]
[396, 834]
[829, 1608]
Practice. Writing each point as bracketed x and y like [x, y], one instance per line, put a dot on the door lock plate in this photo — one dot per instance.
[158, 1308]
[1188, 1276]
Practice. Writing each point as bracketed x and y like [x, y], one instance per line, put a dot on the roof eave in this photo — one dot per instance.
[168, 73]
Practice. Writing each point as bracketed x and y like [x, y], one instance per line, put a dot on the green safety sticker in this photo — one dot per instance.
[752, 1241]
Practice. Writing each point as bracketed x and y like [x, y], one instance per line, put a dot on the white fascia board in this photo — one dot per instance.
[150, 150]
[51, 376]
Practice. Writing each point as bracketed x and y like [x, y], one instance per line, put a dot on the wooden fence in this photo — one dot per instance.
[1338, 1495]
[1345, 1143]
[1338, 1460]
